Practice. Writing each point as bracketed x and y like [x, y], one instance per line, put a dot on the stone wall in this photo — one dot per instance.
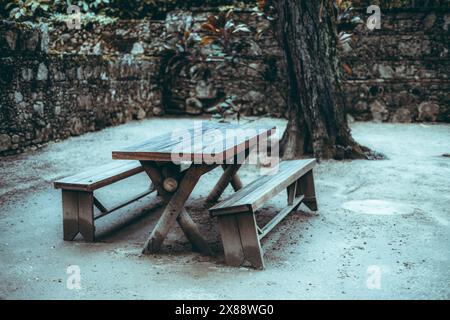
[401, 72]
[55, 82]
[107, 74]
[255, 78]
[49, 96]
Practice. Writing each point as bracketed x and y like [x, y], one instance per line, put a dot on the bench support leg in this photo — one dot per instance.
[231, 240]
[241, 241]
[86, 215]
[70, 214]
[78, 215]
[306, 187]
[291, 191]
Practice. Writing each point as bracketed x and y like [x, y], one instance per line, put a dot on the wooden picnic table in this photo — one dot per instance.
[175, 181]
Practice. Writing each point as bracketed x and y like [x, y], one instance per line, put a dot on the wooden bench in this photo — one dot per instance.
[78, 199]
[236, 215]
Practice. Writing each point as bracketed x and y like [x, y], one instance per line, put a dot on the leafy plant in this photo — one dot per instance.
[20, 10]
[220, 30]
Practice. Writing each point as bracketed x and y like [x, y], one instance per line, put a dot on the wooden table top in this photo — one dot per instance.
[202, 141]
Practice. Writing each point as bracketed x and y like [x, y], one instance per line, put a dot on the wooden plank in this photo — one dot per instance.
[100, 206]
[100, 177]
[187, 224]
[193, 234]
[155, 151]
[70, 214]
[306, 187]
[236, 183]
[280, 182]
[280, 216]
[262, 189]
[292, 191]
[86, 215]
[251, 246]
[154, 172]
[161, 146]
[173, 209]
[150, 208]
[264, 183]
[231, 240]
[164, 141]
[223, 182]
[106, 211]
[239, 145]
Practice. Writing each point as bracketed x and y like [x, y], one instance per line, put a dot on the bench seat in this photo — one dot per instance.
[101, 176]
[236, 215]
[253, 196]
[78, 197]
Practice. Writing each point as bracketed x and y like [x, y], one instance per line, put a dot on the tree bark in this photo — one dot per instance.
[317, 123]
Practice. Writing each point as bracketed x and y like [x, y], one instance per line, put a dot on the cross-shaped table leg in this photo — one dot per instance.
[229, 176]
[174, 210]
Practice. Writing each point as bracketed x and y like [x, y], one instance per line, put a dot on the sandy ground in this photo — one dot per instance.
[382, 231]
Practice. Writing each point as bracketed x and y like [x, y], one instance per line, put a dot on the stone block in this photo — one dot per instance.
[5, 142]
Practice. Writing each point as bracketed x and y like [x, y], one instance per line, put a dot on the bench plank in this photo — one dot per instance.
[209, 149]
[86, 216]
[252, 197]
[101, 176]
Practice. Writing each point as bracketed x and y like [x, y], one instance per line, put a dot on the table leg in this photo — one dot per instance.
[174, 208]
[193, 234]
[154, 172]
[236, 182]
[229, 176]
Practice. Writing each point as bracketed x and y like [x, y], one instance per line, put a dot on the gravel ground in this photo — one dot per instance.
[382, 231]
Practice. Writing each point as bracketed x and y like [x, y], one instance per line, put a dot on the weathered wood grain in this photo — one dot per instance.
[258, 192]
[86, 215]
[70, 214]
[224, 181]
[162, 148]
[291, 191]
[173, 209]
[280, 216]
[101, 176]
[306, 187]
[193, 234]
[231, 240]
[251, 246]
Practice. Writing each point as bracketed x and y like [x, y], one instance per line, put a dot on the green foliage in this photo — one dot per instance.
[21, 10]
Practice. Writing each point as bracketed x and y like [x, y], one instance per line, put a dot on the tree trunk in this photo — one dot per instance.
[316, 106]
